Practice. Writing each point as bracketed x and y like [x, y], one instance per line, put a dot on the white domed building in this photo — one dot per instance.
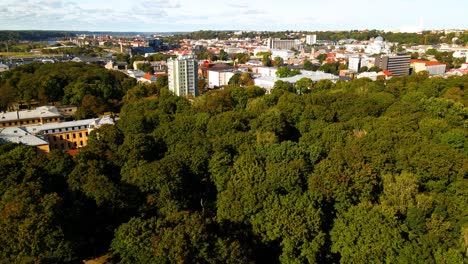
[376, 47]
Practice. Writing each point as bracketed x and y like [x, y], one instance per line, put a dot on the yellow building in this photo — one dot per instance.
[40, 115]
[50, 136]
[20, 136]
[69, 135]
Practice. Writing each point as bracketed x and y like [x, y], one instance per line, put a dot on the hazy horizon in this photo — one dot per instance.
[261, 15]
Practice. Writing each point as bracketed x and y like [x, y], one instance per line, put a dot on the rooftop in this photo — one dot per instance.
[20, 136]
[427, 63]
[40, 112]
[313, 75]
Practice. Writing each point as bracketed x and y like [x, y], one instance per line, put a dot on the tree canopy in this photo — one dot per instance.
[345, 172]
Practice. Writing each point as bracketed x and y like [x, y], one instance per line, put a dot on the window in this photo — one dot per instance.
[74, 135]
[61, 137]
[81, 143]
[86, 133]
[68, 136]
[81, 135]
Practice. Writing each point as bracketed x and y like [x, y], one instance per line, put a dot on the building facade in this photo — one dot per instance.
[354, 63]
[38, 116]
[398, 65]
[281, 43]
[54, 136]
[183, 76]
[218, 79]
[432, 67]
[311, 39]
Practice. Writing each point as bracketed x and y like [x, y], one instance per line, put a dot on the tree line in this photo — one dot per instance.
[33, 35]
[90, 87]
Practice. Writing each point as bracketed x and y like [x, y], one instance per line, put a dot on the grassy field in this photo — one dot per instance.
[20, 54]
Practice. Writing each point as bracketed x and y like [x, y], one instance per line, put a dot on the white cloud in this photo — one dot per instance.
[173, 15]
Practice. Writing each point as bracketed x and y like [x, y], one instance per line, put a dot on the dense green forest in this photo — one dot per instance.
[351, 172]
[91, 87]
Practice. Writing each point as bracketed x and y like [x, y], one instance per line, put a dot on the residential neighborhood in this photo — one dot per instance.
[259, 56]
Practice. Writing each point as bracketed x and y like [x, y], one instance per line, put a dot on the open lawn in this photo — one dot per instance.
[20, 54]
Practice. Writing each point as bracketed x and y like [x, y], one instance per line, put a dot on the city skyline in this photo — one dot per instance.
[183, 15]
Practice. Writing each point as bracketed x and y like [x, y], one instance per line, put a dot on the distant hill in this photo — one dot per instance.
[38, 35]
[33, 35]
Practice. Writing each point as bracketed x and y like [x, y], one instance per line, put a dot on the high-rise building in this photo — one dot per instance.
[183, 76]
[354, 63]
[398, 65]
[311, 39]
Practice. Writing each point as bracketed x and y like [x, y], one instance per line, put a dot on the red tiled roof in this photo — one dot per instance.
[387, 73]
[427, 63]
[73, 152]
[147, 76]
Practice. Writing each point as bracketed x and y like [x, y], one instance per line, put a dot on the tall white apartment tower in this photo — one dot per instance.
[311, 39]
[183, 76]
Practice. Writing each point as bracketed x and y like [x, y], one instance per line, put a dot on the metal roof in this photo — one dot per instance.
[20, 136]
[40, 112]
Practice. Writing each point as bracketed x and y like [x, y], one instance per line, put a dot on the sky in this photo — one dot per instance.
[269, 15]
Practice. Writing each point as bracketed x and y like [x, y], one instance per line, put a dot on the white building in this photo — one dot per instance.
[282, 43]
[284, 54]
[370, 75]
[378, 46]
[183, 76]
[369, 62]
[232, 50]
[265, 71]
[354, 63]
[219, 78]
[433, 67]
[311, 39]
[267, 82]
[460, 54]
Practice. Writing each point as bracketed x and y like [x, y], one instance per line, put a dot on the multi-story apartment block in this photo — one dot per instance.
[311, 39]
[41, 115]
[398, 65]
[354, 63]
[282, 43]
[183, 76]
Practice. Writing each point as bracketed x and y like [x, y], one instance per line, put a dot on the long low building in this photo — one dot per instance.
[267, 82]
[40, 115]
[61, 136]
[432, 67]
[19, 135]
